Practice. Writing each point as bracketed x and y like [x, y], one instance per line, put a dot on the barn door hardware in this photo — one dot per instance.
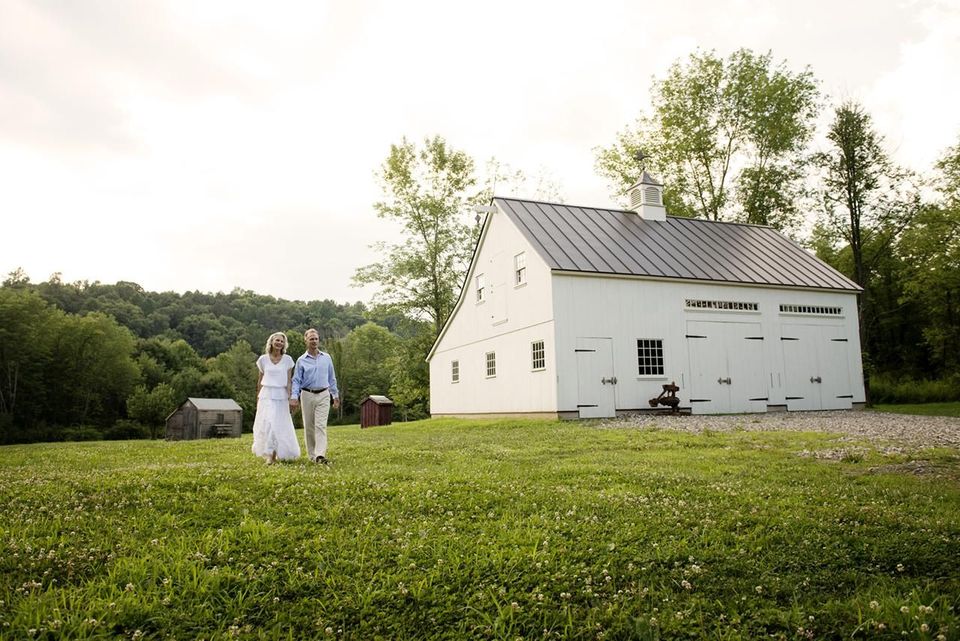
[726, 380]
[816, 379]
[612, 380]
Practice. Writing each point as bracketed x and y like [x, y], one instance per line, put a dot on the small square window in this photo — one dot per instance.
[538, 355]
[650, 356]
[520, 269]
[491, 364]
[481, 289]
[454, 371]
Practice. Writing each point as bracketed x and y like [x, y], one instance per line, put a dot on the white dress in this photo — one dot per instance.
[273, 425]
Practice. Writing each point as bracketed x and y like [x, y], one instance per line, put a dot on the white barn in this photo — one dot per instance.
[578, 312]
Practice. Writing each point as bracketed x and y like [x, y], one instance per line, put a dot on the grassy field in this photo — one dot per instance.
[481, 530]
[925, 409]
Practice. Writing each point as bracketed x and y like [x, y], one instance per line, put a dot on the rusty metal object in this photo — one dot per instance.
[668, 397]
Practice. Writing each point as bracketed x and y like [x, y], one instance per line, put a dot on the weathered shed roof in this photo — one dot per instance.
[217, 404]
[610, 241]
[379, 400]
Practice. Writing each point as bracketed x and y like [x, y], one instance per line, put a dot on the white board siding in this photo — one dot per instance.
[726, 367]
[516, 388]
[595, 385]
[816, 362]
[507, 322]
[626, 309]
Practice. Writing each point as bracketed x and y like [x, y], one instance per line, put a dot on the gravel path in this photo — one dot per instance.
[901, 429]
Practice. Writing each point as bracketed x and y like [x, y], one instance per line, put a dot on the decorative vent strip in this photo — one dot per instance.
[818, 310]
[723, 305]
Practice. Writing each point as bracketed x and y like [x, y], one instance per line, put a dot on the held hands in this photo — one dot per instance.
[294, 403]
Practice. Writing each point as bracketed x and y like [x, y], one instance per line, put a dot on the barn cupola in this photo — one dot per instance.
[646, 198]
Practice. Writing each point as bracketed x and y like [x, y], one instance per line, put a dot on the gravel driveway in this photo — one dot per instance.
[899, 429]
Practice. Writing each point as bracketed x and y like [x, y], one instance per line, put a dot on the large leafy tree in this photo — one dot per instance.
[726, 136]
[868, 202]
[28, 326]
[364, 372]
[930, 249]
[429, 191]
[94, 369]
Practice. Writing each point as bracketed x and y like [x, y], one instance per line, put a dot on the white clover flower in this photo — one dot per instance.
[874, 605]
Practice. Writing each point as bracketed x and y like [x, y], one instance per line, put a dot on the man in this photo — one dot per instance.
[314, 384]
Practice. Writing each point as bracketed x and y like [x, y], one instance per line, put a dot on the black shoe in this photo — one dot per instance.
[322, 460]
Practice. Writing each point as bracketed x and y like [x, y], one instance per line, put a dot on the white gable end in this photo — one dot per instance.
[508, 321]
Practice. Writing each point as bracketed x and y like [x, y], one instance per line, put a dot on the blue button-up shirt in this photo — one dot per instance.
[314, 372]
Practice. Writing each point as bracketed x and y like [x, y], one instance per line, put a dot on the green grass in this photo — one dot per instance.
[926, 409]
[486, 530]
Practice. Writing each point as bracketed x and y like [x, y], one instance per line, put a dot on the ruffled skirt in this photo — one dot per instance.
[273, 429]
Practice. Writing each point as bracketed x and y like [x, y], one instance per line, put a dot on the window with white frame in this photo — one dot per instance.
[454, 371]
[491, 364]
[481, 289]
[538, 355]
[650, 356]
[520, 269]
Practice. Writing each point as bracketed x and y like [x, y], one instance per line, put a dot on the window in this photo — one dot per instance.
[722, 305]
[538, 355]
[520, 269]
[650, 356]
[491, 364]
[481, 289]
[219, 418]
[815, 310]
[454, 371]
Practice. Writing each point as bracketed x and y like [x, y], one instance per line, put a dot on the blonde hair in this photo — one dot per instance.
[266, 349]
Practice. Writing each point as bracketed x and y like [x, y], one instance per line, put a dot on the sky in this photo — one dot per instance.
[211, 145]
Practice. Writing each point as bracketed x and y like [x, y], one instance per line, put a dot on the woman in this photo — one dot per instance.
[273, 435]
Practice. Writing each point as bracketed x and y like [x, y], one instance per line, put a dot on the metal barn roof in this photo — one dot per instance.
[610, 241]
[214, 403]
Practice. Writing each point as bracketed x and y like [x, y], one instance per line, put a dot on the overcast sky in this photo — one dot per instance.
[218, 144]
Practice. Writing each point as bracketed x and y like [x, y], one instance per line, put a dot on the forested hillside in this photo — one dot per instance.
[85, 360]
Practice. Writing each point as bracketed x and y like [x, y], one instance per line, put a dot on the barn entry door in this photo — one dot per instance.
[726, 367]
[817, 370]
[596, 382]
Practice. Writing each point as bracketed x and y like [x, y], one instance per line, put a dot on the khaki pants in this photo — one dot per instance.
[316, 410]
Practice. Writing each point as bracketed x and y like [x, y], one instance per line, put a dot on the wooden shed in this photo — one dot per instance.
[205, 418]
[376, 410]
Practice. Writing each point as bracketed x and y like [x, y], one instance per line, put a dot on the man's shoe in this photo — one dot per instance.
[322, 460]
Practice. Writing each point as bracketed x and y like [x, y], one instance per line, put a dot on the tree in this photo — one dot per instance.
[427, 191]
[152, 407]
[930, 249]
[27, 326]
[238, 365]
[94, 369]
[410, 374]
[727, 137]
[366, 350]
[867, 203]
